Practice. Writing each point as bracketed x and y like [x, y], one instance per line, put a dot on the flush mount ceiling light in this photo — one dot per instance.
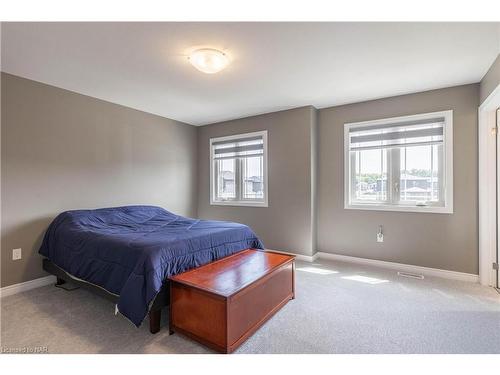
[208, 60]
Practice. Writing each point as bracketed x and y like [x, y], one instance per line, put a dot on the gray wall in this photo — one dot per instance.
[61, 151]
[446, 241]
[287, 223]
[490, 80]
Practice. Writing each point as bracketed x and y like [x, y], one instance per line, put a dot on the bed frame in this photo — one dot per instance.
[162, 298]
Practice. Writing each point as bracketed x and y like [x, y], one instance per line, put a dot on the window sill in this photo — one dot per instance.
[425, 209]
[239, 203]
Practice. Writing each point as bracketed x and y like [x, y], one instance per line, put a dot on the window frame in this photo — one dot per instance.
[238, 188]
[447, 173]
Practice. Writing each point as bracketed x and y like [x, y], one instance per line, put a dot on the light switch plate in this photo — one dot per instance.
[16, 254]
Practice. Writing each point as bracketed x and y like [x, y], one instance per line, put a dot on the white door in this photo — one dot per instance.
[497, 260]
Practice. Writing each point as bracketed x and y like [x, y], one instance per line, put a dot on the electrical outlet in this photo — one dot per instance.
[380, 234]
[16, 254]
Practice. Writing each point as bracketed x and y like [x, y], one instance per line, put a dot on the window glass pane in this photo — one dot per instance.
[419, 181]
[253, 177]
[225, 183]
[370, 175]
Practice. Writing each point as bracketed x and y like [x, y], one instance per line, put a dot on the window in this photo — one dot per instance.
[400, 164]
[239, 170]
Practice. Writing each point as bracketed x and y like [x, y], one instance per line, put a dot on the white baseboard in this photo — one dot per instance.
[426, 271]
[306, 258]
[22, 287]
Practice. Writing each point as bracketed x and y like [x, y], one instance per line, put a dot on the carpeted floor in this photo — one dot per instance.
[340, 308]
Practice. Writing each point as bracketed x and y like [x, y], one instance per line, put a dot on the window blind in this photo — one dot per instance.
[244, 147]
[399, 134]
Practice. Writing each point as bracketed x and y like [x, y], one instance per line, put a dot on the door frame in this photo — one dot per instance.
[487, 187]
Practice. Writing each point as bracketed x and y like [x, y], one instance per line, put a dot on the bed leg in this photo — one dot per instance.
[60, 281]
[154, 321]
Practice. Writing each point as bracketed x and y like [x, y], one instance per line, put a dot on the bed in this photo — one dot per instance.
[127, 253]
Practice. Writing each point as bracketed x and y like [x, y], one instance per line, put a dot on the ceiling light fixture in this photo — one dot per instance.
[208, 60]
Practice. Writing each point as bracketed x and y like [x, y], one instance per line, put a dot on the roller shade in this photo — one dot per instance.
[399, 134]
[244, 147]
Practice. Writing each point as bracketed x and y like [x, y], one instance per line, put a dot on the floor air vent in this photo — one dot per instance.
[411, 275]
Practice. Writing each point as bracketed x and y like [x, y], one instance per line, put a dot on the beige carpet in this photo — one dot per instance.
[340, 308]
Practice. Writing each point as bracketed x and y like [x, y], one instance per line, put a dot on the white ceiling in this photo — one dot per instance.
[274, 66]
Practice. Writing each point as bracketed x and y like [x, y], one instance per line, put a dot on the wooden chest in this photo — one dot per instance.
[223, 303]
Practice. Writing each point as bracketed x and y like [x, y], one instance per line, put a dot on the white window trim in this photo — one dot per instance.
[448, 166]
[247, 203]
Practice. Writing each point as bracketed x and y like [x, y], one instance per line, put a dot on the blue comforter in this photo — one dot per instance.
[131, 251]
